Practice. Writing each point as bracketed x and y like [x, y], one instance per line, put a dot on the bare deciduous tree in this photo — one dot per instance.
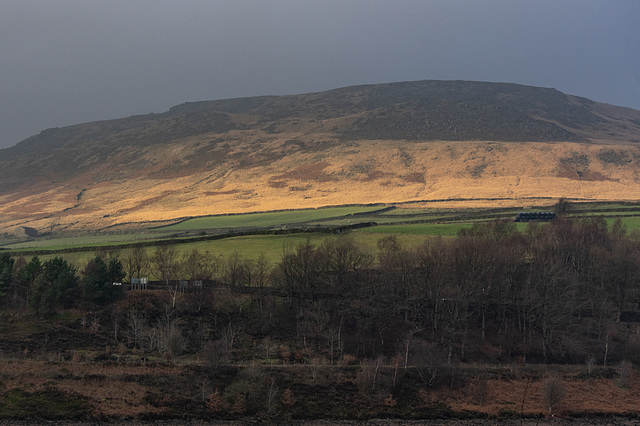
[553, 391]
[215, 353]
[136, 262]
[203, 385]
[367, 377]
[590, 361]
[428, 359]
[625, 370]
[174, 342]
[165, 263]
[343, 254]
[137, 325]
[272, 393]
[199, 266]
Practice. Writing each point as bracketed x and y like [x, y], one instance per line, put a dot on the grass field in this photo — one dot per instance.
[417, 211]
[444, 229]
[632, 223]
[382, 219]
[607, 206]
[427, 229]
[252, 246]
[86, 241]
[261, 220]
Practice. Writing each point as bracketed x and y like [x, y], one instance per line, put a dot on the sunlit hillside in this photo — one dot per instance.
[422, 141]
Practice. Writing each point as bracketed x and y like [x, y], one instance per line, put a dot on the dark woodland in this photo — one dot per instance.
[391, 322]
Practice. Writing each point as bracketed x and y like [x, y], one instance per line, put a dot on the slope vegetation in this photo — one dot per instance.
[428, 140]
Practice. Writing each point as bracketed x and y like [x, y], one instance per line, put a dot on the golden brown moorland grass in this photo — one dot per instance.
[484, 173]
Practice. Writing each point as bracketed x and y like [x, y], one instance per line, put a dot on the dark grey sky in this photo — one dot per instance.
[65, 62]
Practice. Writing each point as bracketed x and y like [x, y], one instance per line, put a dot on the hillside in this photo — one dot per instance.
[427, 140]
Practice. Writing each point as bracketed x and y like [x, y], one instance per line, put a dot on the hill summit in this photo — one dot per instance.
[397, 142]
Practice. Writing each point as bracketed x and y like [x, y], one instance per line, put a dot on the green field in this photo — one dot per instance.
[444, 229]
[190, 228]
[399, 222]
[405, 212]
[632, 223]
[382, 219]
[263, 220]
[252, 246]
[86, 241]
[606, 206]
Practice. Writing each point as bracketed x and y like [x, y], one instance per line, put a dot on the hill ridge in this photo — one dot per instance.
[372, 143]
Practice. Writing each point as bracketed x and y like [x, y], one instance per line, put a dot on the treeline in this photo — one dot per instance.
[556, 293]
[559, 292]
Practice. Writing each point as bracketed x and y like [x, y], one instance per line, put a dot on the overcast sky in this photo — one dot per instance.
[65, 62]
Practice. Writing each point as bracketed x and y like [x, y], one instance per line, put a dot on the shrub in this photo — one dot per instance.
[553, 391]
[624, 374]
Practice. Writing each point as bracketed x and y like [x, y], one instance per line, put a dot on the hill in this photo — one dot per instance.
[398, 142]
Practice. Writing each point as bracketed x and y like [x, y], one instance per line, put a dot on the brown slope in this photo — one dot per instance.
[377, 143]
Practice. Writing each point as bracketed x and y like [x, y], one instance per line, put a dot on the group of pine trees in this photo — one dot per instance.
[53, 285]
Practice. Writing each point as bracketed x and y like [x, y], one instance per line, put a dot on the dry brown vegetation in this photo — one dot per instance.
[369, 144]
[113, 390]
[495, 323]
[451, 170]
[124, 391]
